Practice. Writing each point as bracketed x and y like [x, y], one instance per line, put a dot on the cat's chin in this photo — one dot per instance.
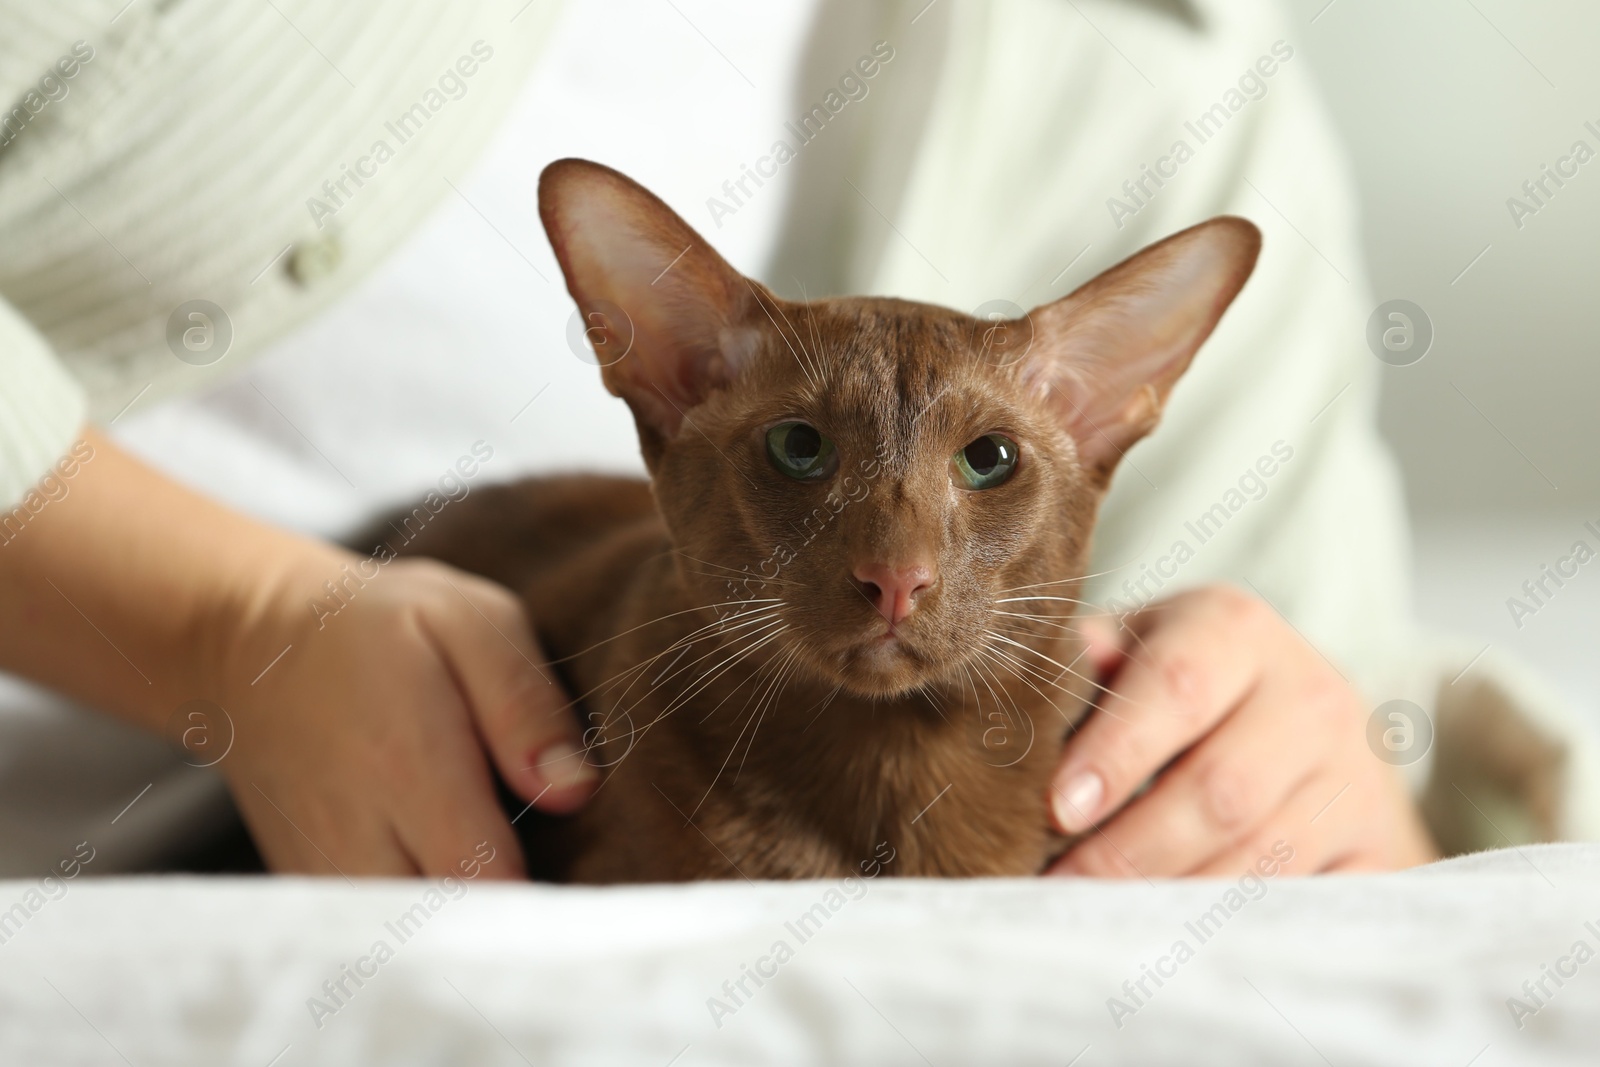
[884, 668]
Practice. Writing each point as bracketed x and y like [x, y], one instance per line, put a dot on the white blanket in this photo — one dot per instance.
[1395, 969]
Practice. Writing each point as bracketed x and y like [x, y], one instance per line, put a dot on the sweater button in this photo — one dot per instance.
[313, 260]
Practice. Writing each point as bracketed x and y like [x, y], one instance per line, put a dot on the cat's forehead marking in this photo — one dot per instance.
[888, 362]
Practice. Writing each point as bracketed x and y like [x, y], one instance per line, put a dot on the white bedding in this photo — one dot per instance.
[1397, 969]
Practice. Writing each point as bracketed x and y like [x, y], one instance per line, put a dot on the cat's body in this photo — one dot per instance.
[836, 624]
[955, 783]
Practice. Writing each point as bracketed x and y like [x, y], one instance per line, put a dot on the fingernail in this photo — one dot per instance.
[1078, 801]
[562, 766]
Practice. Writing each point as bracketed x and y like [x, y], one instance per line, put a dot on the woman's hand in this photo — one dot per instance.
[360, 727]
[1251, 738]
[362, 749]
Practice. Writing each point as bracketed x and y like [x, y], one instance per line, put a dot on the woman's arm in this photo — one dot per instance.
[359, 734]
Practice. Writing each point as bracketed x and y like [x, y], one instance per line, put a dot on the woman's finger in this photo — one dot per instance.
[1191, 660]
[1311, 831]
[304, 843]
[1226, 786]
[463, 827]
[524, 715]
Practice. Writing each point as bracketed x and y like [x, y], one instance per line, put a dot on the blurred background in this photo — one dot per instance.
[1447, 108]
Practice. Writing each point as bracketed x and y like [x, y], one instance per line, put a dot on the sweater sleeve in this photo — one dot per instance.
[41, 407]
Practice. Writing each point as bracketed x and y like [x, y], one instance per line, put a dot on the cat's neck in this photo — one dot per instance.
[945, 775]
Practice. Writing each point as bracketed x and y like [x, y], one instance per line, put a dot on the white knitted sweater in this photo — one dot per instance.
[205, 151]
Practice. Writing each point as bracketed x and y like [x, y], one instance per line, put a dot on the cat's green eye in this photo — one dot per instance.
[800, 451]
[986, 462]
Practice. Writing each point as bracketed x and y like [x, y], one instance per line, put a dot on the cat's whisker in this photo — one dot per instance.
[1058, 599]
[1029, 631]
[977, 697]
[1055, 616]
[1072, 614]
[1055, 622]
[811, 315]
[1017, 715]
[637, 733]
[663, 618]
[815, 355]
[983, 677]
[811, 321]
[717, 627]
[711, 674]
[1129, 650]
[1015, 667]
[704, 682]
[756, 582]
[1062, 624]
[998, 659]
[705, 562]
[748, 701]
[1023, 631]
[788, 654]
[760, 620]
[740, 575]
[934, 698]
[746, 579]
[1048, 659]
[1020, 669]
[751, 627]
[769, 700]
[826, 702]
[1078, 578]
[1065, 668]
[1055, 682]
[804, 364]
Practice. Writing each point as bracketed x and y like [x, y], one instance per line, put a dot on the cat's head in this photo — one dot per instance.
[866, 486]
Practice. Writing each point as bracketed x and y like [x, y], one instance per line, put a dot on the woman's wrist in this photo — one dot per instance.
[135, 595]
[258, 616]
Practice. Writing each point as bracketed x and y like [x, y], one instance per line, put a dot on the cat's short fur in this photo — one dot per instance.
[756, 709]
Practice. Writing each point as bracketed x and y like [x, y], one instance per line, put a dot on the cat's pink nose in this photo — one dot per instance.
[894, 590]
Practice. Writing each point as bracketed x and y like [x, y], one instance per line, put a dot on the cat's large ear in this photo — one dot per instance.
[1109, 353]
[648, 285]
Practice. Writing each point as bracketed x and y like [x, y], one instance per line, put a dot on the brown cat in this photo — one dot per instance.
[837, 620]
